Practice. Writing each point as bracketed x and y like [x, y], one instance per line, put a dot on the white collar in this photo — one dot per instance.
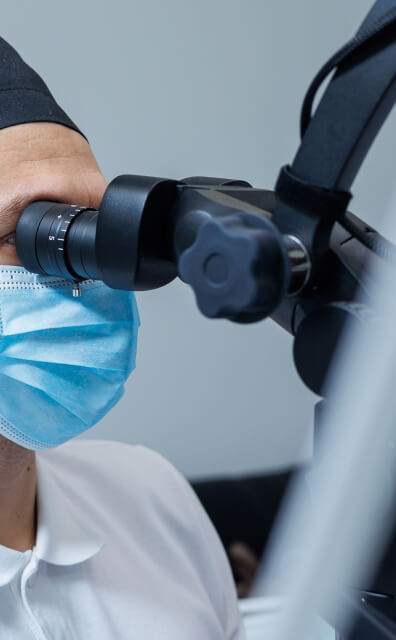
[64, 537]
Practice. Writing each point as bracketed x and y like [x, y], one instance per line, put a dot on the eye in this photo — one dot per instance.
[11, 239]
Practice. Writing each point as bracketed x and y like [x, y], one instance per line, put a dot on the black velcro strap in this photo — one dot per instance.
[381, 18]
[307, 197]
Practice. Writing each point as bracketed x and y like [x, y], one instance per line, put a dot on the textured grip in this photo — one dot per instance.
[236, 266]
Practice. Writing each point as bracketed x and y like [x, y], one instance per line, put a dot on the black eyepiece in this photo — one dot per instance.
[127, 244]
[58, 239]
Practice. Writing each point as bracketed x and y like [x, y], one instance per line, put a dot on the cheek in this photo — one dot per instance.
[8, 254]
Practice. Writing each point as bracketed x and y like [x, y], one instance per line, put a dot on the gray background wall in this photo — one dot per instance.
[210, 87]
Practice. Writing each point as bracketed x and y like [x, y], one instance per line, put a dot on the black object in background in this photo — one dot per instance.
[243, 509]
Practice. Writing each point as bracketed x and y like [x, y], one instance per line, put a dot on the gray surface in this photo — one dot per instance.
[180, 88]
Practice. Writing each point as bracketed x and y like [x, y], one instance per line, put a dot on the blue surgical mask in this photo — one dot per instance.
[63, 359]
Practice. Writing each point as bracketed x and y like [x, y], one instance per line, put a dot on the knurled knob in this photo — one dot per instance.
[236, 265]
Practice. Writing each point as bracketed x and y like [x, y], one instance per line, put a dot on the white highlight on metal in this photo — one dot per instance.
[76, 290]
[331, 535]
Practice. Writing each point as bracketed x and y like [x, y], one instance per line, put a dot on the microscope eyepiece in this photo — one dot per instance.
[58, 239]
[126, 244]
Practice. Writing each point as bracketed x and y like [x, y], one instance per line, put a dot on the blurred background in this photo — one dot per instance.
[174, 88]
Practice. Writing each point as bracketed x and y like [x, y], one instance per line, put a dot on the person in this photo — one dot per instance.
[98, 539]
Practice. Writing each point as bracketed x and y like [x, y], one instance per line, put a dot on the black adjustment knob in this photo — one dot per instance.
[237, 267]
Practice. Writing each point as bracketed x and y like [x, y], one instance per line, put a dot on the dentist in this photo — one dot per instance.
[98, 539]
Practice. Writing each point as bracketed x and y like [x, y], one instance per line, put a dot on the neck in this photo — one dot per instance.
[18, 484]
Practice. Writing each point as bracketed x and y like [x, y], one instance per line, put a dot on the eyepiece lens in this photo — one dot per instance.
[58, 239]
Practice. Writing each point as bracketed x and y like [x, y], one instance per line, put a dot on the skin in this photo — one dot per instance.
[38, 161]
[244, 563]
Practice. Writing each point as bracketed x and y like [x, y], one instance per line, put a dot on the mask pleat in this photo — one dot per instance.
[69, 388]
[77, 346]
[55, 421]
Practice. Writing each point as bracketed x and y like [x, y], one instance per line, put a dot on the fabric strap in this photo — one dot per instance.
[381, 18]
[307, 197]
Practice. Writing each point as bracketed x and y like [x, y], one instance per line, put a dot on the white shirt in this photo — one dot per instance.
[123, 551]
